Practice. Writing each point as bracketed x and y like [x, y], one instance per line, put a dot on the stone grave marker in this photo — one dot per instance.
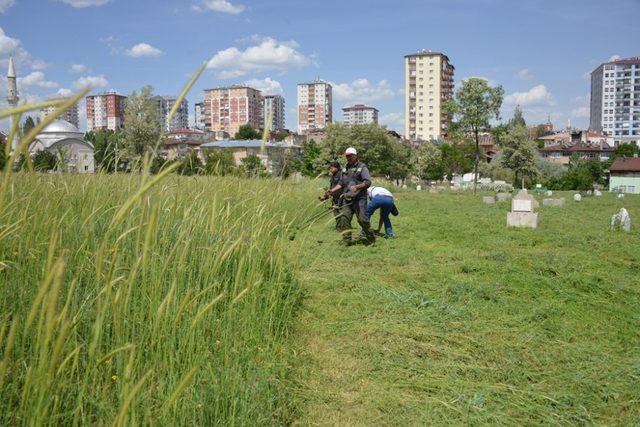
[597, 193]
[577, 197]
[522, 211]
[549, 193]
[503, 197]
[621, 196]
[622, 220]
[418, 187]
[490, 200]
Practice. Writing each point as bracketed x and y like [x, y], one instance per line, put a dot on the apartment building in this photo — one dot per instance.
[274, 107]
[199, 116]
[315, 106]
[228, 108]
[71, 115]
[360, 114]
[105, 111]
[615, 100]
[180, 119]
[428, 84]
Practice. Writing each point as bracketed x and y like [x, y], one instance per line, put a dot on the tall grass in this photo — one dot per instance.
[168, 307]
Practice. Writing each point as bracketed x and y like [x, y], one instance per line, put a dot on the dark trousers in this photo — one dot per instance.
[385, 204]
[355, 207]
[335, 206]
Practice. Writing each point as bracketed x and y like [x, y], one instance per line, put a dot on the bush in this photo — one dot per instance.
[219, 162]
[44, 161]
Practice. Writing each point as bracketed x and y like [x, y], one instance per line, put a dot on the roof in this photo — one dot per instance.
[626, 164]
[60, 126]
[578, 147]
[232, 87]
[632, 60]
[181, 141]
[186, 132]
[253, 143]
[359, 107]
[425, 53]
[12, 70]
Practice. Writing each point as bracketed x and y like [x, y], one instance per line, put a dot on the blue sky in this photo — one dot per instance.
[541, 51]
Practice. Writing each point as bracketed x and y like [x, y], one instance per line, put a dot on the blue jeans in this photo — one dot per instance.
[385, 204]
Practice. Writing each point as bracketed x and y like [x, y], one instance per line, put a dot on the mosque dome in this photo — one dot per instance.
[60, 126]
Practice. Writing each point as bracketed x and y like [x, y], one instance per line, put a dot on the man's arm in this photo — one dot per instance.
[366, 180]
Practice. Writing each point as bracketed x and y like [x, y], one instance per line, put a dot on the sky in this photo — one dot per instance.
[540, 51]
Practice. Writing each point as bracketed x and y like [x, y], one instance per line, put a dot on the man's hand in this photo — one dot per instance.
[354, 189]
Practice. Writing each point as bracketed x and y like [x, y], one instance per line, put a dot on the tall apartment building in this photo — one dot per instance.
[360, 115]
[228, 108]
[315, 106]
[274, 106]
[428, 84]
[180, 119]
[105, 111]
[615, 100]
[70, 115]
[199, 116]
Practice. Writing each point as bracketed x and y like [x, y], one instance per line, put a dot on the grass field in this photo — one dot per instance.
[463, 321]
[185, 303]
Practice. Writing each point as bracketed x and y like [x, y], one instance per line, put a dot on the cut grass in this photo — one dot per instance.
[463, 321]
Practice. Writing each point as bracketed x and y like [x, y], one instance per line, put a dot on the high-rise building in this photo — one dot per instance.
[105, 111]
[180, 119]
[274, 106]
[428, 84]
[70, 115]
[228, 108]
[315, 106]
[360, 115]
[12, 94]
[199, 116]
[615, 100]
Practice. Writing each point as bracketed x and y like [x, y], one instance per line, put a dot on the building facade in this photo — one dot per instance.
[274, 107]
[12, 94]
[228, 108]
[615, 100]
[624, 175]
[315, 106]
[360, 115]
[105, 111]
[428, 84]
[199, 116]
[65, 141]
[71, 115]
[269, 153]
[180, 119]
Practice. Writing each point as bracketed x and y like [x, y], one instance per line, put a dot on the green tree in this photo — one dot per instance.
[140, 126]
[473, 106]
[284, 162]
[517, 119]
[219, 162]
[253, 166]
[44, 161]
[3, 153]
[28, 124]
[190, 165]
[495, 170]
[281, 135]
[426, 162]
[311, 163]
[456, 158]
[246, 132]
[105, 149]
[520, 153]
[623, 150]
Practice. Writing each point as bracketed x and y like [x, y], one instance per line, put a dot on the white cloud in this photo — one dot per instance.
[93, 81]
[143, 49]
[580, 113]
[78, 68]
[489, 81]
[537, 95]
[394, 121]
[362, 91]
[6, 4]
[614, 58]
[36, 79]
[267, 86]
[63, 91]
[85, 3]
[39, 64]
[524, 74]
[7, 44]
[269, 54]
[223, 6]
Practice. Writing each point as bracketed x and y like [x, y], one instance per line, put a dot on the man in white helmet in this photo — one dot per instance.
[355, 181]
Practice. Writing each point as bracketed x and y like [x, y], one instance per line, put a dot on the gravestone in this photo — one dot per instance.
[522, 211]
[577, 197]
[490, 200]
[418, 187]
[549, 193]
[433, 191]
[622, 220]
[589, 192]
[547, 202]
[620, 196]
[553, 202]
[503, 197]
[597, 193]
[524, 194]
[404, 186]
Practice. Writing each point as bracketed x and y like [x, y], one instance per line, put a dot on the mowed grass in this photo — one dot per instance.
[461, 320]
[171, 306]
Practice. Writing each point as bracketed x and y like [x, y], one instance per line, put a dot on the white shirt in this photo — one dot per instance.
[378, 191]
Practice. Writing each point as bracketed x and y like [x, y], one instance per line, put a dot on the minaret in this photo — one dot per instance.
[12, 95]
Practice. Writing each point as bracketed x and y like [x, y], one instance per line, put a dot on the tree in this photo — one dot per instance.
[44, 161]
[623, 150]
[140, 126]
[190, 165]
[495, 170]
[426, 162]
[284, 162]
[456, 158]
[517, 119]
[310, 162]
[3, 153]
[219, 162]
[281, 135]
[520, 153]
[105, 149]
[253, 166]
[474, 105]
[246, 132]
[28, 125]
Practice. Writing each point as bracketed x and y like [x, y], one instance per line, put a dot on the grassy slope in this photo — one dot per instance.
[461, 320]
